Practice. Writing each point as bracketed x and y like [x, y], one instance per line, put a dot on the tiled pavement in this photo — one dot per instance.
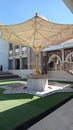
[61, 119]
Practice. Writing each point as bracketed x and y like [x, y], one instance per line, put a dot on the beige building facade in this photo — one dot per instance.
[21, 57]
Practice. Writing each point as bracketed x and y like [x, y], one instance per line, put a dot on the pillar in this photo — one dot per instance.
[62, 59]
[20, 62]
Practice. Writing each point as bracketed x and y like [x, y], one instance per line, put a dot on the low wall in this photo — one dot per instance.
[52, 75]
[60, 75]
[22, 73]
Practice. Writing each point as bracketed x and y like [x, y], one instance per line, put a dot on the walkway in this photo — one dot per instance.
[21, 87]
[61, 119]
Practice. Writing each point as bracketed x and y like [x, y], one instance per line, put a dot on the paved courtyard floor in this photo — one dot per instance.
[53, 87]
[61, 119]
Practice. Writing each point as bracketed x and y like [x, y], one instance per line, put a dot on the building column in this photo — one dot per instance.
[40, 61]
[13, 63]
[20, 62]
[62, 63]
[29, 58]
[13, 50]
[62, 55]
[20, 50]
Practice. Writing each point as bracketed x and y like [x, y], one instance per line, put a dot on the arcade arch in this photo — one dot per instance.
[69, 62]
[54, 62]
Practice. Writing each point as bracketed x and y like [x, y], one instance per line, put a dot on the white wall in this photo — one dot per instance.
[52, 75]
[4, 47]
[22, 73]
[60, 75]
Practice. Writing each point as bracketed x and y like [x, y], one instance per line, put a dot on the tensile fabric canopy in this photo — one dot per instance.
[36, 33]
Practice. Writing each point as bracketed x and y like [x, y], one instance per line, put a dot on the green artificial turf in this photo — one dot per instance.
[15, 109]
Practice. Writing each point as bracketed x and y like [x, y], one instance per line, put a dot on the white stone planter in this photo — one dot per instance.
[37, 82]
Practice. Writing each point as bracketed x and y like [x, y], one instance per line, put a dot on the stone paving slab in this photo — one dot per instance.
[61, 119]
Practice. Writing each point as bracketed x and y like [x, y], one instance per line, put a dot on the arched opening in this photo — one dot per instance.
[68, 65]
[54, 62]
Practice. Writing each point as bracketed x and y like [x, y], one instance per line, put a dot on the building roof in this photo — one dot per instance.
[67, 44]
[69, 4]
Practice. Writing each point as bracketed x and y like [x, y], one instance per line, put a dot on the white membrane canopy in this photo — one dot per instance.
[36, 33]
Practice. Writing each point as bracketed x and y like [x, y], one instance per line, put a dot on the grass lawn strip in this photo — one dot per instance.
[15, 109]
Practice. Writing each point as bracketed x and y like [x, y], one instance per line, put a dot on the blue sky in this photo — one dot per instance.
[17, 11]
